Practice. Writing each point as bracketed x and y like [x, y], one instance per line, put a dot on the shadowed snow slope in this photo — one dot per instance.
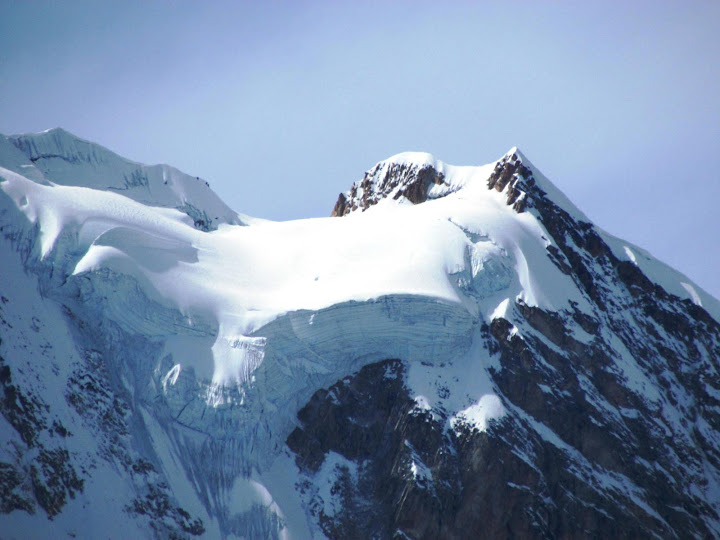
[183, 339]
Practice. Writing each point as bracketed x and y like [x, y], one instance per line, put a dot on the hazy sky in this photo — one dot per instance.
[281, 105]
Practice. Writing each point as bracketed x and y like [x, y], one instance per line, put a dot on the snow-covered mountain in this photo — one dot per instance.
[458, 353]
[62, 158]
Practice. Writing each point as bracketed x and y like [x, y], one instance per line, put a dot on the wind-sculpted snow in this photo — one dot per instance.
[240, 278]
[232, 331]
[200, 351]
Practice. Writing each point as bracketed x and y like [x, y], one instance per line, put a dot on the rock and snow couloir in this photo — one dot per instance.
[462, 352]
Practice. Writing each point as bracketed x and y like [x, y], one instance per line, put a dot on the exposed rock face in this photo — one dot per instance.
[414, 181]
[75, 442]
[580, 453]
[401, 473]
[584, 451]
[390, 180]
[511, 173]
[51, 479]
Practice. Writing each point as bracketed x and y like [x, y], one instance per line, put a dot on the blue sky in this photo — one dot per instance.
[281, 105]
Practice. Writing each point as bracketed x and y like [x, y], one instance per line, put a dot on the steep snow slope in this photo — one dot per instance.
[58, 157]
[203, 345]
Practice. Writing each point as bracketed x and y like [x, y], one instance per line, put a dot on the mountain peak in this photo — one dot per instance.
[58, 144]
[419, 364]
[414, 176]
[418, 176]
[62, 138]
[63, 158]
[512, 172]
[411, 158]
[54, 131]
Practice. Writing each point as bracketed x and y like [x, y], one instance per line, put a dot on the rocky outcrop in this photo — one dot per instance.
[390, 180]
[511, 173]
[414, 179]
[51, 479]
[580, 452]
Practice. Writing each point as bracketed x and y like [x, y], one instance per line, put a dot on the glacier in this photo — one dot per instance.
[177, 340]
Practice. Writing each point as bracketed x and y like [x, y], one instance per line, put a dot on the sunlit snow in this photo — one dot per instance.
[242, 277]
[478, 415]
[261, 314]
